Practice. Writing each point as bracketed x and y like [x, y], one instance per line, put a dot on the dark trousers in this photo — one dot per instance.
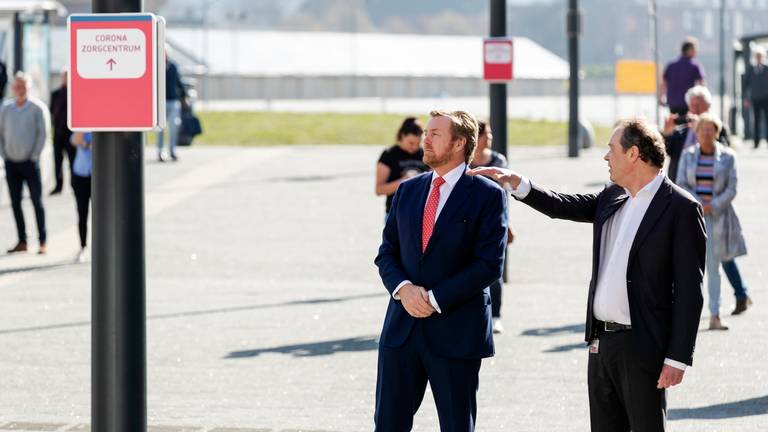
[734, 277]
[622, 391]
[16, 173]
[759, 112]
[61, 145]
[403, 373]
[82, 188]
[496, 298]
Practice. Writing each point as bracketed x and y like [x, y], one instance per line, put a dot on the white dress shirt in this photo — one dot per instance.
[451, 178]
[611, 303]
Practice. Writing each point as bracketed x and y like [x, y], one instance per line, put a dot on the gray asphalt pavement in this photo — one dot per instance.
[264, 304]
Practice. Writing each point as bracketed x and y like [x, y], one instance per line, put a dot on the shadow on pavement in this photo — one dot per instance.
[5, 271]
[201, 312]
[364, 343]
[550, 331]
[743, 408]
[566, 348]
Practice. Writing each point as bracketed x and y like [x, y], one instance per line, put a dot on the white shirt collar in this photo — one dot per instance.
[651, 188]
[451, 177]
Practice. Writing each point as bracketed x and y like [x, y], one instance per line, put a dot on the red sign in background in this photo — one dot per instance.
[497, 59]
[106, 103]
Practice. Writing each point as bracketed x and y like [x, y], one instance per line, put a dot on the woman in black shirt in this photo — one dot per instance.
[401, 161]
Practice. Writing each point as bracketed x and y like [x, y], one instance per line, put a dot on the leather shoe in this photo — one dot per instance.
[716, 324]
[741, 305]
[20, 247]
[43, 249]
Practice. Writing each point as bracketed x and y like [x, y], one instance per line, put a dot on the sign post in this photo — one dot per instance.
[114, 82]
[497, 56]
[116, 88]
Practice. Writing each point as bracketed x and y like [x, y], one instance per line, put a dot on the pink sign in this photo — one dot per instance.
[113, 72]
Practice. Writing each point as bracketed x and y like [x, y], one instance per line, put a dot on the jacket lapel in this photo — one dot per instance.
[459, 194]
[658, 205]
[610, 208]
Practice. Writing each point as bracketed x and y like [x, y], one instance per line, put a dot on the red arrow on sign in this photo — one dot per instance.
[111, 62]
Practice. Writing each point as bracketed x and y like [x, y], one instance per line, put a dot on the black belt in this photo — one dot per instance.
[612, 326]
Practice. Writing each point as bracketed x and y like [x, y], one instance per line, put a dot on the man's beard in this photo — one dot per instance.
[434, 161]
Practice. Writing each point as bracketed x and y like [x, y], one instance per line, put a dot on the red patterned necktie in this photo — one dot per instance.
[430, 211]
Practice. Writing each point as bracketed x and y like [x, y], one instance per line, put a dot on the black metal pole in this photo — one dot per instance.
[118, 371]
[573, 30]
[498, 91]
[722, 60]
[18, 43]
[653, 11]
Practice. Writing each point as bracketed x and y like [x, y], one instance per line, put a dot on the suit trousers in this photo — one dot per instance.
[622, 390]
[403, 373]
[16, 174]
[759, 115]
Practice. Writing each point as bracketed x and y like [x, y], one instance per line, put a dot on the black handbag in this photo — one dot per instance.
[190, 126]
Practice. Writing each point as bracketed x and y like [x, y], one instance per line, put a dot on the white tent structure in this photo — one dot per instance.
[249, 64]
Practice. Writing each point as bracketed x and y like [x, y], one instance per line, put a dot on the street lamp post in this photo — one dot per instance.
[654, 24]
[722, 60]
[498, 91]
[573, 30]
[118, 288]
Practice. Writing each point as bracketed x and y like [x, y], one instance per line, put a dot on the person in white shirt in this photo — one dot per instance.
[645, 298]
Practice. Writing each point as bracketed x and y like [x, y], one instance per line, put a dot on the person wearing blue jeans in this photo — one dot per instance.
[174, 94]
[708, 172]
[173, 122]
[743, 301]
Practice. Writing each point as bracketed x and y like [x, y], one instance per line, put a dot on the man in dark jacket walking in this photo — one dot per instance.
[756, 86]
[61, 133]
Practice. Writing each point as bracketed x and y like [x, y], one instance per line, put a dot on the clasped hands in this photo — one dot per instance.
[415, 300]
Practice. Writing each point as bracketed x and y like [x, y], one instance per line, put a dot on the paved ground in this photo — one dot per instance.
[264, 305]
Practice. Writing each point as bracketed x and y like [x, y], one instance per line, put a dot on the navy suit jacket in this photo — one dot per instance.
[464, 255]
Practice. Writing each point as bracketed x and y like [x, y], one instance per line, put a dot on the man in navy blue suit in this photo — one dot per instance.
[443, 245]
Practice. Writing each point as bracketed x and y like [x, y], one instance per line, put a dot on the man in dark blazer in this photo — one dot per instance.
[61, 134]
[644, 301]
[443, 245]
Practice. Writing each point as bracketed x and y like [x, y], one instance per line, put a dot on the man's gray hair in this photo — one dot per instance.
[698, 91]
[23, 76]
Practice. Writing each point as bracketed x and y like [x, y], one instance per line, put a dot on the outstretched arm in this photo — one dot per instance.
[575, 207]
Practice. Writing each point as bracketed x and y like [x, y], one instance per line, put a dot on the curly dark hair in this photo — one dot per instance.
[639, 133]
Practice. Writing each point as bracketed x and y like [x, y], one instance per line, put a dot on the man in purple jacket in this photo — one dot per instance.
[679, 76]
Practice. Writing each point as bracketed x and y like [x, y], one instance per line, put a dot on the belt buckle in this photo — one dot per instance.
[605, 327]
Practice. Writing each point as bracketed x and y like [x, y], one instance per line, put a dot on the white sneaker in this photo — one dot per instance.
[81, 256]
[497, 326]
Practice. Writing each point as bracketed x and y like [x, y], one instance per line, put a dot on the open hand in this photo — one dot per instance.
[500, 175]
